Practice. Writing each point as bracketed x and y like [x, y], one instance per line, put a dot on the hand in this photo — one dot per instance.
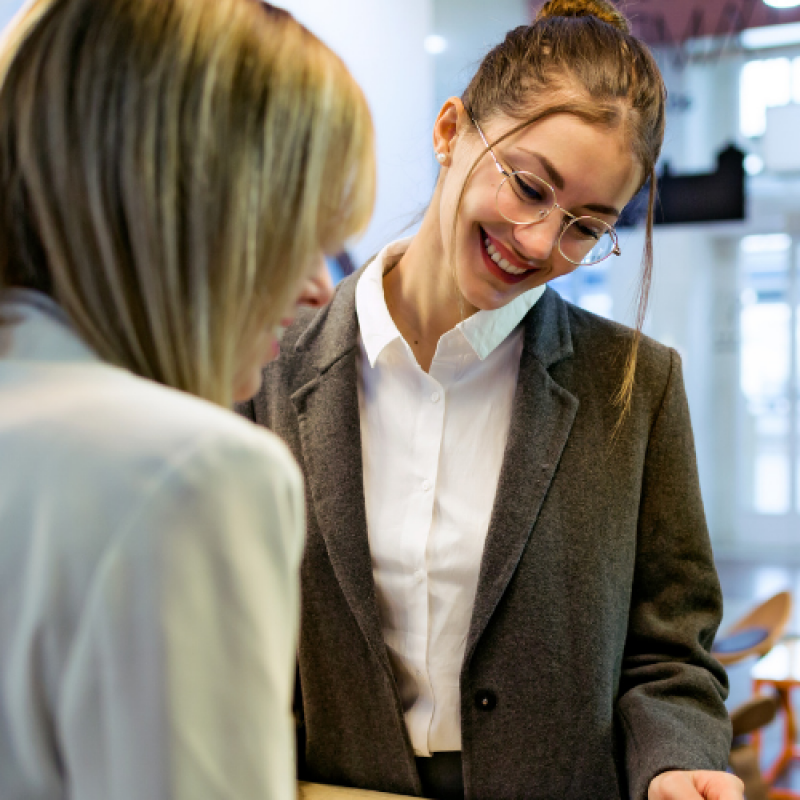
[699, 785]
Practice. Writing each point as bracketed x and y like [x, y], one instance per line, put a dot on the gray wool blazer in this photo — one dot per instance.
[587, 669]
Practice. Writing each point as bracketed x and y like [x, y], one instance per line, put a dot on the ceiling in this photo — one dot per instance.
[665, 22]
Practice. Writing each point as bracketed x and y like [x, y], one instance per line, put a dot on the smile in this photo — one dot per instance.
[499, 261]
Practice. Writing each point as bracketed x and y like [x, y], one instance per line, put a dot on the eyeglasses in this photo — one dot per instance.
[526, 199]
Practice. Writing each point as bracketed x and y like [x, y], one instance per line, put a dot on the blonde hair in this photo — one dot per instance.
[579, 57]
[171, 171]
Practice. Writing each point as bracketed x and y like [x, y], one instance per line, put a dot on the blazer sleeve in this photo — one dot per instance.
[670, 707]
[179, 685]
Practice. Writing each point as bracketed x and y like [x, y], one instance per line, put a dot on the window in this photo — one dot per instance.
[587, 287]
[769, 467]
[766, 83]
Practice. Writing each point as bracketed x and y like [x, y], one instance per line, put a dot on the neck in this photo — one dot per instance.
[421, 292]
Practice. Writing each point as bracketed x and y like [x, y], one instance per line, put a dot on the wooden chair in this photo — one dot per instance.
[756, 633]
[747, 719]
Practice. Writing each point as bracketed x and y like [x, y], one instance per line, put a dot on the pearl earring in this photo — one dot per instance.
[441, 157]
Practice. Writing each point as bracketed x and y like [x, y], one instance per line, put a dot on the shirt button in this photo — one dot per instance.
[419, 575]
[426, 486]
[435, 397]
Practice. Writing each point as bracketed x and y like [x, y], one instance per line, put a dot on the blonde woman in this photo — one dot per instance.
[172, 172]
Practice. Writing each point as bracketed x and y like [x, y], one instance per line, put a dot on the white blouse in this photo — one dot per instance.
[432, 447]
[149, 554]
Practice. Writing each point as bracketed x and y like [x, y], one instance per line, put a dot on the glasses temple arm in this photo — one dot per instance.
[488, 147]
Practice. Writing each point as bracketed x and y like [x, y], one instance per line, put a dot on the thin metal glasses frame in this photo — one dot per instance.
[616, 251]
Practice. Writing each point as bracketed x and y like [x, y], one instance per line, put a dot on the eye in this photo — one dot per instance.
[584, 228]
[528, 190]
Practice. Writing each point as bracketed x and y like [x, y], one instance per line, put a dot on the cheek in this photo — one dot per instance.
[478, 206]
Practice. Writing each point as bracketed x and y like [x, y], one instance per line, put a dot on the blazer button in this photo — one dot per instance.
[485, 700]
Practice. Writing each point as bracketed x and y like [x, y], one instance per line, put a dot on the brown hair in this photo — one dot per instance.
[579, 57]
[171, 169]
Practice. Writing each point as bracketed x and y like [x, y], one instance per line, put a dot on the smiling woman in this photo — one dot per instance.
[508, 589]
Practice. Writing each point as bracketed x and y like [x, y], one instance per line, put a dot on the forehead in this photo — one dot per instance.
[587, 156]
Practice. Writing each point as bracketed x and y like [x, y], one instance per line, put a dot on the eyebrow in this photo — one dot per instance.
[555, 176]
[601, 209]
[558, 181]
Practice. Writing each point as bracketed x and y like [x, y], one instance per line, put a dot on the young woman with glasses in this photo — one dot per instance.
[508, 589]
[172, 172]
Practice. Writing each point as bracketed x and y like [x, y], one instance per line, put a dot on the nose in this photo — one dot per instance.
[318, 288]
[537, 241]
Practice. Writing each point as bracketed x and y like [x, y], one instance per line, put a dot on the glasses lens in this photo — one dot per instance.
[523, 198]
[587, 240]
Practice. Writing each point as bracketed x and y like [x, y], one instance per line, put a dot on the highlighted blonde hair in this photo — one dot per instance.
[171, 170]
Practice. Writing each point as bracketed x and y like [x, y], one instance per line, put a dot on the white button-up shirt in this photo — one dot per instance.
[432, 446]
[150, 544]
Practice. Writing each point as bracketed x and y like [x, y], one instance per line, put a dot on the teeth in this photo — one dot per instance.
[501, 262]
[512, 270]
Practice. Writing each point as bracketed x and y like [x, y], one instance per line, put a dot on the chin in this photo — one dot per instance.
[481, 296]
[247, 386]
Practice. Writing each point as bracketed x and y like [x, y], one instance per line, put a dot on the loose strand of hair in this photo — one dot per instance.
[623, 398]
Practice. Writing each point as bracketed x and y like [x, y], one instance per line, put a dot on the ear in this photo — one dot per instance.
[449, 123]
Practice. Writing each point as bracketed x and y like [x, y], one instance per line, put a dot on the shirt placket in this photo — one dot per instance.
[433, 388]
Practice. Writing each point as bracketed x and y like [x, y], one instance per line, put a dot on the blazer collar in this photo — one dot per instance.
[326, 401]
[547, 333]
[541, 422]
[334, 331]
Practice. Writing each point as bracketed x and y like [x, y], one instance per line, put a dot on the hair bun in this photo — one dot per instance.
[602, 9]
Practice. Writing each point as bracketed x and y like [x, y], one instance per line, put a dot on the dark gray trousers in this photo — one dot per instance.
[442, 777]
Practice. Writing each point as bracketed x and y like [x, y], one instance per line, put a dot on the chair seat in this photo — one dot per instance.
[741, 640]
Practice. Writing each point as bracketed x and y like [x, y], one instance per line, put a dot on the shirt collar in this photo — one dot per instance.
[374, 320]
[485, 331]
[33, 327]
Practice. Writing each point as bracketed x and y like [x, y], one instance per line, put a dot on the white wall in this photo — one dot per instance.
[7, 10]
[470, 28]
[696, 134]
[382, 42]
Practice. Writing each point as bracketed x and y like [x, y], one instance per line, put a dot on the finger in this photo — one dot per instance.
[674, 785]
[718, 785]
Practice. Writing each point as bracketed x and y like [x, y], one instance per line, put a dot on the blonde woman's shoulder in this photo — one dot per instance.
[97, 432]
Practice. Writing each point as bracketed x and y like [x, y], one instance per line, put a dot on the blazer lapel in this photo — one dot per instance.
[330, 435]
[541, 421]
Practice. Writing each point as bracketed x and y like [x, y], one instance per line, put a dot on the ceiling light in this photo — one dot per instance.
[770, 36]
[435, 44]
[782, 3]
[753, 164]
